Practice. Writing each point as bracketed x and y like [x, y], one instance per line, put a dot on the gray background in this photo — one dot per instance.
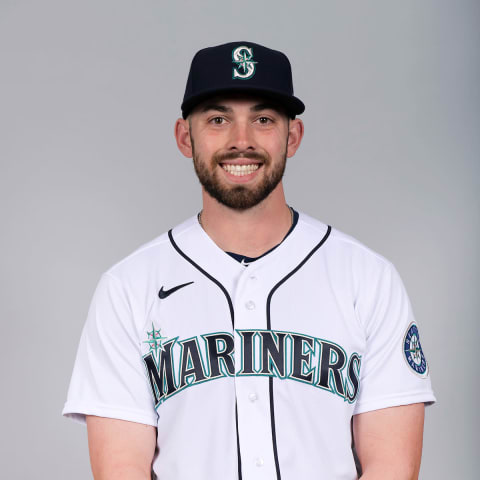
[89, 92]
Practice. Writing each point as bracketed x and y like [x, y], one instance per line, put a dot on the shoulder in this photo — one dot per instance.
[148, 257]
[339, 245]
[350, 264]
[134, 280]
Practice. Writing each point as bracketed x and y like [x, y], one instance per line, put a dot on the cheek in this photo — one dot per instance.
[275, 144]
[210, 144]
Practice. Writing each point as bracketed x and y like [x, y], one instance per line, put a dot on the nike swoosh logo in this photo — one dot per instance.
[243, 262]
[165, 293]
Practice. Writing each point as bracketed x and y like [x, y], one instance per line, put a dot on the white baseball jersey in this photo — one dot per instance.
[249, 372]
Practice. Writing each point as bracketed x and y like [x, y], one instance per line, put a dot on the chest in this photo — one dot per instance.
[300, 327]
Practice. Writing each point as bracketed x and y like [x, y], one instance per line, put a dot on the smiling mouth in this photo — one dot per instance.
[240, 170]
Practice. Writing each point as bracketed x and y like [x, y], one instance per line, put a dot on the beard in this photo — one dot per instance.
[238, 197]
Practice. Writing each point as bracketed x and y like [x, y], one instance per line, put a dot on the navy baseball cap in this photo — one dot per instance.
[241, 67]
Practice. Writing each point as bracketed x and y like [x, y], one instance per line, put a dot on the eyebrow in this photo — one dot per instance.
[216, 107]
[224, 109]
[264, 106]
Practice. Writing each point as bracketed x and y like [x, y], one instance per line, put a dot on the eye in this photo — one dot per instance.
[217, 120]
[264, 120]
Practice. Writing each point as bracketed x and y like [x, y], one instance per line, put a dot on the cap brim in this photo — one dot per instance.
[292, 105]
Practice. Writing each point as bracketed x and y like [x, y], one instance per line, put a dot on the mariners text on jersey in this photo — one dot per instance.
[285, 355]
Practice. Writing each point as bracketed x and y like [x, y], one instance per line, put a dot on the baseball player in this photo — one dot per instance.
[251, 341]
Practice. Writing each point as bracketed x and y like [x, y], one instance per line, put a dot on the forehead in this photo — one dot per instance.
[239, 101]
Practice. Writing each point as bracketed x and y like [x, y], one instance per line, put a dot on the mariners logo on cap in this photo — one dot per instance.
[245, 68]
[413, 351]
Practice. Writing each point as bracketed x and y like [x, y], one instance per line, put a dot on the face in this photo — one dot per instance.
[239, 149]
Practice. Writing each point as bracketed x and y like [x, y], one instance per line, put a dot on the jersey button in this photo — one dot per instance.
[253, 397]
[259, 462]
[252, 277]
[250, 305]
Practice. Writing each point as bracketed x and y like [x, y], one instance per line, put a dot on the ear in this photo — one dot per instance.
[182, 135]
[295, 135]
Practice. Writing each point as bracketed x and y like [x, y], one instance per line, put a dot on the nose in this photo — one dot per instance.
[241, 137]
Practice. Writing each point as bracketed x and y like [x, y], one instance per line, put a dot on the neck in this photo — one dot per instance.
[249, 232]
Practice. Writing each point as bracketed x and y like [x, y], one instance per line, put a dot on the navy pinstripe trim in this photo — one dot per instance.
[269, 327]
[232, 316]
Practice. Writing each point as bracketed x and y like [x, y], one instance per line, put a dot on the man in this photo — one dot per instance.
[242, 343]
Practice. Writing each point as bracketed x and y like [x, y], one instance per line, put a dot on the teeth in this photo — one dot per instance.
[240, 170]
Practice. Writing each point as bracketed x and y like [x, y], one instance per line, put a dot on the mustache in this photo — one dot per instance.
[221, 157]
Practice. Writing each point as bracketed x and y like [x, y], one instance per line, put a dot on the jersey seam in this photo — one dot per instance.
[338, 235]
[343, 237]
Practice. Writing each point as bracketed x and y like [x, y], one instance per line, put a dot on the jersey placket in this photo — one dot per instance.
[252, 392]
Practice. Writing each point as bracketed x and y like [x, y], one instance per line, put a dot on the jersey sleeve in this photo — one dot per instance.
[394, 370]
[108, 378]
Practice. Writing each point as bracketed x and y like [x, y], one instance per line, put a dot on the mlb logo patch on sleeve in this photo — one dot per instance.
[413, 351]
